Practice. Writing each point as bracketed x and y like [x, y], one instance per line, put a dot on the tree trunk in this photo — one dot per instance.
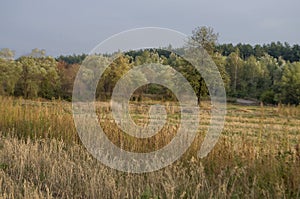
[199, 91]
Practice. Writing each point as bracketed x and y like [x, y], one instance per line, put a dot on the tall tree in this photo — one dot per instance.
[234, 65]
[290, 84]
[203, 38]
[9, 75]
[39, 77]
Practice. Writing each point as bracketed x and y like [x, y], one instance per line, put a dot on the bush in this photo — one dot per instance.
[268, 97]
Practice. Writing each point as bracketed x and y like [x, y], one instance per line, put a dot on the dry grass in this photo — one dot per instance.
[257, 156]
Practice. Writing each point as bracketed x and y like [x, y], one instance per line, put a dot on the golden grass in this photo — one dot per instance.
[257, 156]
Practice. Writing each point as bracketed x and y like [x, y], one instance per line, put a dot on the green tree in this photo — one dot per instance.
[39, 77]
[6, 53]
[205, 37]
[234, 66]
[29, 81]
[37, 53]
[50, 81]
[253, 77]
[220, 62]
[290, 84]
[9, 75]
[203, 40]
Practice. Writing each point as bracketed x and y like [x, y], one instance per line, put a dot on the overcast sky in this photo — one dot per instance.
[76, 26]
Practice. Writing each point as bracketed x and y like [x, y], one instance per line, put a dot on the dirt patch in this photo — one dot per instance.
[246, 102]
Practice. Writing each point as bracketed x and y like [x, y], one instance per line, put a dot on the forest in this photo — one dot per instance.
[264, 72]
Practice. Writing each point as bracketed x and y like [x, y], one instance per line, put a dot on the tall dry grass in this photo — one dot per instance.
[257, 156]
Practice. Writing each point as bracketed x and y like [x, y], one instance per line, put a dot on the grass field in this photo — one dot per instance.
[41, 156]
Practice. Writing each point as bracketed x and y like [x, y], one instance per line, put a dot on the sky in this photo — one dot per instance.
[77, 26]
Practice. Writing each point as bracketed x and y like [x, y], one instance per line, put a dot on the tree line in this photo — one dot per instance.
[269, 72]
[274, 49]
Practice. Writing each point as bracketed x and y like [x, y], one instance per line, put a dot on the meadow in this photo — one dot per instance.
[41, 155]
